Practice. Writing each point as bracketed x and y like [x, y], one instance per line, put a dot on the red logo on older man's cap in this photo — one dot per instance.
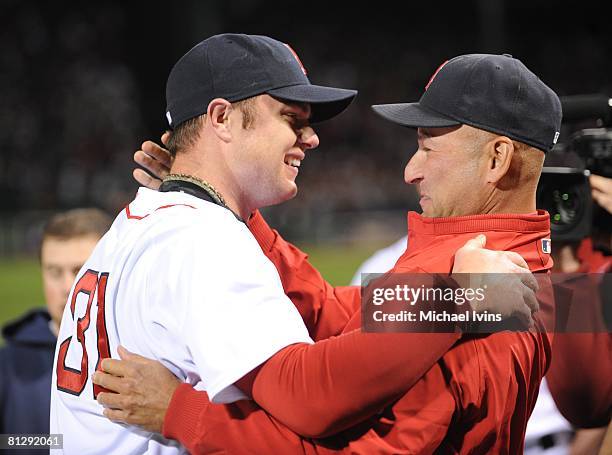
[435, 74]
[296, 57]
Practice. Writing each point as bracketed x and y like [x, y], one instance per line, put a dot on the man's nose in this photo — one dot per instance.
[67, 280]
[413, 173]
[309, 138]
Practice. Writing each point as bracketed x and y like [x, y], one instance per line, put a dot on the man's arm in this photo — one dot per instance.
[319, 389]
[325, 309]
[601, 191]
[241, 427]
[203, 427]
[584, 399]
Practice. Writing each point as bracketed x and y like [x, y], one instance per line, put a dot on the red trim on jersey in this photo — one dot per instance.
[136, 217]
[103, 342]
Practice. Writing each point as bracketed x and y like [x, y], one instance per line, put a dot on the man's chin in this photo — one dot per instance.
[284, 197]
[291, 192]
[426, 211]
[429, 212]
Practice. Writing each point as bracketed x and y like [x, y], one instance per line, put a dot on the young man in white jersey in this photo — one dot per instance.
[180, 278]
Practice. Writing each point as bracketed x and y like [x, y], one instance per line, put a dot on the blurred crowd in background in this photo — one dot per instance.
[82, 85]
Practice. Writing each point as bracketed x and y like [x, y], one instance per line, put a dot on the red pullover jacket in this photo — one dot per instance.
[476, 399]
[585, 399]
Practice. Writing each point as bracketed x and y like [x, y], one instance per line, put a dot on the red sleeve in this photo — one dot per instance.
[585, 399]
[325, 310]
[321, 389]
[241, 427]
[581, 367]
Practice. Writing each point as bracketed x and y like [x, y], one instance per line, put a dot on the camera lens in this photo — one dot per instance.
[566, 195]
[564, 205]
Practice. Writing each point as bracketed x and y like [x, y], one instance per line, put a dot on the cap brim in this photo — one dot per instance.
[325, 102]
[413, 115]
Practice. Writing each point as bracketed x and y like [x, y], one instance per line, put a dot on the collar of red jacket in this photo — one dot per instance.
[432, 242]
[503, 222]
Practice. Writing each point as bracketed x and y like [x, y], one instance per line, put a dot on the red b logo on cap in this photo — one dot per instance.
[435, 74]
[296, 57]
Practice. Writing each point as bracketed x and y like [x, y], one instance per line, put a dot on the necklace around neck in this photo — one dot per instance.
[200, 183]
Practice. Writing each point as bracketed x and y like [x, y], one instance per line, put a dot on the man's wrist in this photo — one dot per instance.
[184, 412]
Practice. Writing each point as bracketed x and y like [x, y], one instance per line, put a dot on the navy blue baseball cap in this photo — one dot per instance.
[496, 93]
[235, 67]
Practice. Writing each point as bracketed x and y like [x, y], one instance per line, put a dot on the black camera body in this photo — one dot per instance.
[594, 146]
[564, 190]
[565, 193]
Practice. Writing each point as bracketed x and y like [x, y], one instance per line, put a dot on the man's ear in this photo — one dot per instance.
[218, 113]
[500, 151]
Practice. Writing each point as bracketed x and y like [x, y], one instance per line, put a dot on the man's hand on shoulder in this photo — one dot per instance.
[156, 160]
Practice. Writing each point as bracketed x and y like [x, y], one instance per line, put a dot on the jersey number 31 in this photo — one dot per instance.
[72, 380]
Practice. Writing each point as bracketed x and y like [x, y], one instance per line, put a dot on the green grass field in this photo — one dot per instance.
[21, 287]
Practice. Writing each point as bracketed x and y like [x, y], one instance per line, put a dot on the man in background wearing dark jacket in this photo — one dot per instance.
[26, 362]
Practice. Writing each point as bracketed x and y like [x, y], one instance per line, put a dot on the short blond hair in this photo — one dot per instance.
[81, 222]
[77, 223]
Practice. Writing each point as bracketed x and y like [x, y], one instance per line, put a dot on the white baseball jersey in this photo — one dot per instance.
[546, 420]
[177, 279]
[381, 261]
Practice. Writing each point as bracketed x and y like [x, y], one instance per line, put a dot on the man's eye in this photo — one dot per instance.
[54, 272]
[295, 121]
